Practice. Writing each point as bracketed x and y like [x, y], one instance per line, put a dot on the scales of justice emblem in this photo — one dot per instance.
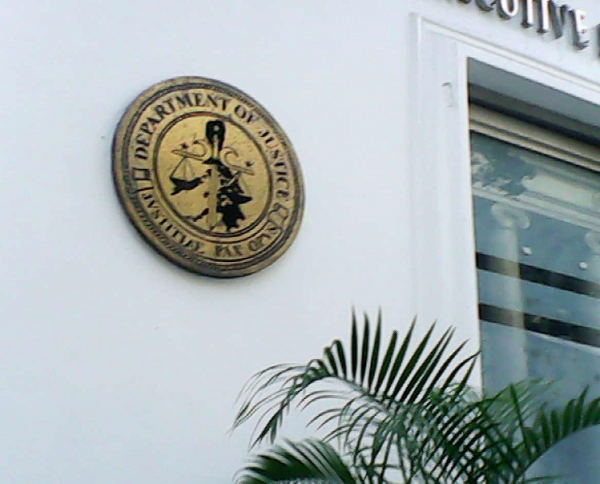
[221, 183]
[208, 177]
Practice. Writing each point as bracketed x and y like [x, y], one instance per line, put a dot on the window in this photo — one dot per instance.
[536, 198]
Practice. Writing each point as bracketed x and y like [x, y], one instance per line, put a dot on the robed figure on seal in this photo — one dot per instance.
[224, 188]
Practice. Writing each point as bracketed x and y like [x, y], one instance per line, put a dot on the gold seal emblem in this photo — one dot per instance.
[208, 177]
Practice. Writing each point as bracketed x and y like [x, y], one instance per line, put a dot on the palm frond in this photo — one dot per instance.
[306, 462]
[548, 428]
[498, 439]
[374, 372]
[401, 410]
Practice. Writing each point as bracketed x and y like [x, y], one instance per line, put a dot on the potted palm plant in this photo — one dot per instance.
[402, 411]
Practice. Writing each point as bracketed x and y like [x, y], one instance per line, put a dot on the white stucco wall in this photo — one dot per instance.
[118, 367]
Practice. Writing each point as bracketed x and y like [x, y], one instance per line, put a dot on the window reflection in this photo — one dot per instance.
[537, 228]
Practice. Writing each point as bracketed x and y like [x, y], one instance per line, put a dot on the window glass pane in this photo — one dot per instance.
[537, 228]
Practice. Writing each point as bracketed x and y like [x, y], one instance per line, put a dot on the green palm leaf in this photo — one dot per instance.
[307, 462]
[401, 376]
[536, 436]
[401, 410]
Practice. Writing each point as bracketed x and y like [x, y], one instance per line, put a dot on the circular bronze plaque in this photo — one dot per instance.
[208, 177]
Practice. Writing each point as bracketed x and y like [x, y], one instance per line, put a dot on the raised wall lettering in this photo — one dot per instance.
[528, 14]
[549, 14]
[485, 5]
[580, 31]
[508, 9]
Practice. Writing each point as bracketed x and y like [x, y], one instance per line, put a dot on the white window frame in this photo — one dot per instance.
[533, 137]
